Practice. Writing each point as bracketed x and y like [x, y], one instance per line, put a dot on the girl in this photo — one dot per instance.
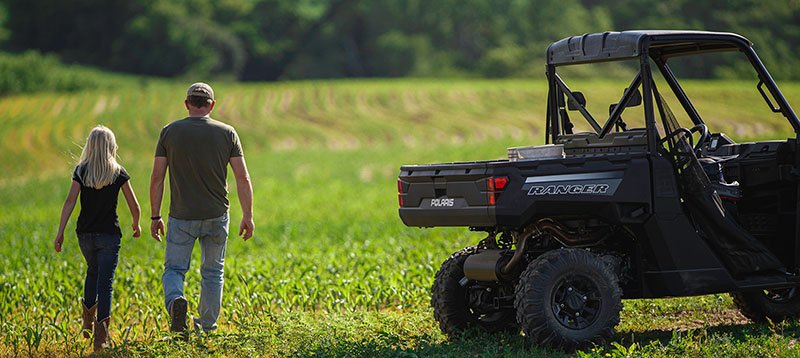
[98, 178]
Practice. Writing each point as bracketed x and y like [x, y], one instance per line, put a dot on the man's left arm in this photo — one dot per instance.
[245, 191]
[156, 195]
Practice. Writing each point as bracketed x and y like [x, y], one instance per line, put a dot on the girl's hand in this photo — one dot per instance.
[57, 243]
[137, 231]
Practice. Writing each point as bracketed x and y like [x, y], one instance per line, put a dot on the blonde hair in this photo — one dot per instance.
[99, 158]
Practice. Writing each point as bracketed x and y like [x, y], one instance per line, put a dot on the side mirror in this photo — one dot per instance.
[636, 99]
[572, 106]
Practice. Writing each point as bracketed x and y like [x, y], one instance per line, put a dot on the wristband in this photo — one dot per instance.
[155, 217]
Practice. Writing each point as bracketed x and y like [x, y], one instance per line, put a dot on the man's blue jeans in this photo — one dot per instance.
[181, 235]
[101, 252]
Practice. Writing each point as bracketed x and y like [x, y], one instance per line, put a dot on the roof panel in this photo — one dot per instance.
[607, 46]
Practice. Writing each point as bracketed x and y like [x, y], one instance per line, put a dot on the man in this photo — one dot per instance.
[197, 151]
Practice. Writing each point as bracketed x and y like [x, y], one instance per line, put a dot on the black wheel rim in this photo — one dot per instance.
[782, 295]
[576, 301]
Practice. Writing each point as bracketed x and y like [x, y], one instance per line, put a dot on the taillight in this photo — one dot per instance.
[494, 186]
[500, 182]
[400, 192]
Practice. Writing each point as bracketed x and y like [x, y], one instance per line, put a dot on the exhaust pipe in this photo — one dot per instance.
[495, 264]
[485, 265]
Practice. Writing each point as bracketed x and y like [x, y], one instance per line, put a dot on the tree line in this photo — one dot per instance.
[256, 40]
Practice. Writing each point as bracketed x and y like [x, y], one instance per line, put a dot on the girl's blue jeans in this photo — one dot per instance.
[101, 252]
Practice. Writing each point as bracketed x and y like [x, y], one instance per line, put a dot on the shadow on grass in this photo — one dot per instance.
[484, 344]
[471, 344]
[388, 343]
[378, 344]
[737, 333]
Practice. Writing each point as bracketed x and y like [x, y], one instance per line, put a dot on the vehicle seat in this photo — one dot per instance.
[712, 166]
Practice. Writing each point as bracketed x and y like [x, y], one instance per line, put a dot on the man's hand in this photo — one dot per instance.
[246, 227]
[245, 191]
[137, 230]
[58, 242]
[157, 229]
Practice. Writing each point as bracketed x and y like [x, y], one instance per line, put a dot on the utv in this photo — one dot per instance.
[655, 205]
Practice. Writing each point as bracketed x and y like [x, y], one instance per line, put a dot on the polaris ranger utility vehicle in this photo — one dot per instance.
[653, 205]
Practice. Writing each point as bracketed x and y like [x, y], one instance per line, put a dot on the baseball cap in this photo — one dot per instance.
[200, 89]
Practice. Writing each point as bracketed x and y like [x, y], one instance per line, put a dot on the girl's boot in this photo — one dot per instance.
[88, 319]
[101, 338]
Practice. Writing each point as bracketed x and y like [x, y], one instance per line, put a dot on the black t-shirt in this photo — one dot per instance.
[99, 206]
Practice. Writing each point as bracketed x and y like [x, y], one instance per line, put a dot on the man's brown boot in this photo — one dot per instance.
[177, 315]
[88, 319]
[101, 338]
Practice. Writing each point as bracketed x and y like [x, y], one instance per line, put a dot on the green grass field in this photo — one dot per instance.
[331, 270]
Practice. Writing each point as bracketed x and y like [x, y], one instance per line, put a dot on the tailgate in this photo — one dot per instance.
[446, 195]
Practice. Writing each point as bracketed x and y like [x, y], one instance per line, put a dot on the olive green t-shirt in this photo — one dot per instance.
[198, 150]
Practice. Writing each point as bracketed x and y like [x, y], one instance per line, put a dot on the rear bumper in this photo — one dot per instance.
[478, 216]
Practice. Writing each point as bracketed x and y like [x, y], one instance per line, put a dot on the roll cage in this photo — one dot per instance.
[651, 48]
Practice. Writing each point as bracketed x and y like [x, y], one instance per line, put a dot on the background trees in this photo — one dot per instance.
[295, 39]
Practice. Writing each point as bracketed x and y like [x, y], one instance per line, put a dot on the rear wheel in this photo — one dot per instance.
[776, 305]
[568, 298]
[460, 304]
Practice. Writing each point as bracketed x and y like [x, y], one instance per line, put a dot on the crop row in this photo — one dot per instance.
[332, 115]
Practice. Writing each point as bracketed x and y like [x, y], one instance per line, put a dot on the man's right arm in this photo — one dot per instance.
[156, 195]
[245, 191]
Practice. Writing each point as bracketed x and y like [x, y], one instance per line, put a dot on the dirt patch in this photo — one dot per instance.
[693, 319]
[709, 319]
[100, 106]
[285, 144]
